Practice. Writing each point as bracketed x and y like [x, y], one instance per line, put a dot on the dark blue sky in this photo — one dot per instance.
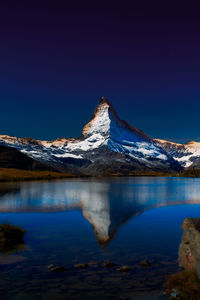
[56, 60]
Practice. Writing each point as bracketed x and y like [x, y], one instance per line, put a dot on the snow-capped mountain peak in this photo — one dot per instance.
[107, 144]
[106, 122]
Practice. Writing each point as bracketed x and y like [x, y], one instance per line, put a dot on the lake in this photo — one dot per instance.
[123, 220]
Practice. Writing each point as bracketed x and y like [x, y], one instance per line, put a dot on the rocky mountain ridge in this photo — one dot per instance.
[107, 146]
[188, 155]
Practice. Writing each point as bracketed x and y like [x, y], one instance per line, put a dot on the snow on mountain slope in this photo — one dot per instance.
[188, 155]
[105, 139]
[105, 128]
[40, 150]
[120, 137]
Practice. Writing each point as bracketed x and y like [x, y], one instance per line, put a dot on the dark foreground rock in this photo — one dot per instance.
[10, 236]
[189, 250]
[184, 285]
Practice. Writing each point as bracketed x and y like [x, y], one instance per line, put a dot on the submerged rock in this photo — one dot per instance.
[55, 268]
[124, 269]
[81, 266]
[145, 264]
[175, 293]
[189, 250]
[108, 264]
[58, 269]
[50, 266]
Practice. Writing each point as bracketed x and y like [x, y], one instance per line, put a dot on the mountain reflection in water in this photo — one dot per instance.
[105, 203]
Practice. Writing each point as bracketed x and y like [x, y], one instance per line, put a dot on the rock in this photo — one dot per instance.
[108, 264]
[10, 236]
[94, 263]
[124, 269]
[50, 266]
[81, 266]
[54, 268]
[189, 250]
[145, 264]
[58, 269]
[183, 285]
[175, 293]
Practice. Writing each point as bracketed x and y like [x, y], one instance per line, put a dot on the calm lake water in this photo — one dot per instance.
[124, 220]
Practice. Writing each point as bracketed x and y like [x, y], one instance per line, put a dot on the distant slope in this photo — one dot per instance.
[188, 155]
[12, 158]
[9, 174]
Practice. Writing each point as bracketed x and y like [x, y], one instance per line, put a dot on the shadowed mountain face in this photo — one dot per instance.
[105, 204]
[107, 146]
[12, 158]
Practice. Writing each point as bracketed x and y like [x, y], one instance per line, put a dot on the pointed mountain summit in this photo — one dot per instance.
[108, 146]
[105, 121]
[101, 119]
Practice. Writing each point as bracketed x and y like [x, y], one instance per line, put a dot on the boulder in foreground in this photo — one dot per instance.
[189, 250]
[10, 236]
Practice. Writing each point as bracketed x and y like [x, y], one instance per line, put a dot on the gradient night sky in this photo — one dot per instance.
[56, 60]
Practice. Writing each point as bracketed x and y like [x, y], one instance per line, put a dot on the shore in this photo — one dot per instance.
[8, 174]
[24, 175]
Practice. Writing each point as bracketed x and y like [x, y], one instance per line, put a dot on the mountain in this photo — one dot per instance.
[12, 158]
[107, 146]
[188, 155]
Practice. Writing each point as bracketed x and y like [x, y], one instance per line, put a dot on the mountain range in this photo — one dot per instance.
[107, 146]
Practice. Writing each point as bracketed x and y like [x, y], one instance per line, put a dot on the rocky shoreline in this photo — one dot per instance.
[105, 264]
[186, 284]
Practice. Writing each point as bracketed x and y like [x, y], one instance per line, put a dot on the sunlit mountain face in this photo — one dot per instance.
[107, 146]
[188, 155]
[105, 204]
